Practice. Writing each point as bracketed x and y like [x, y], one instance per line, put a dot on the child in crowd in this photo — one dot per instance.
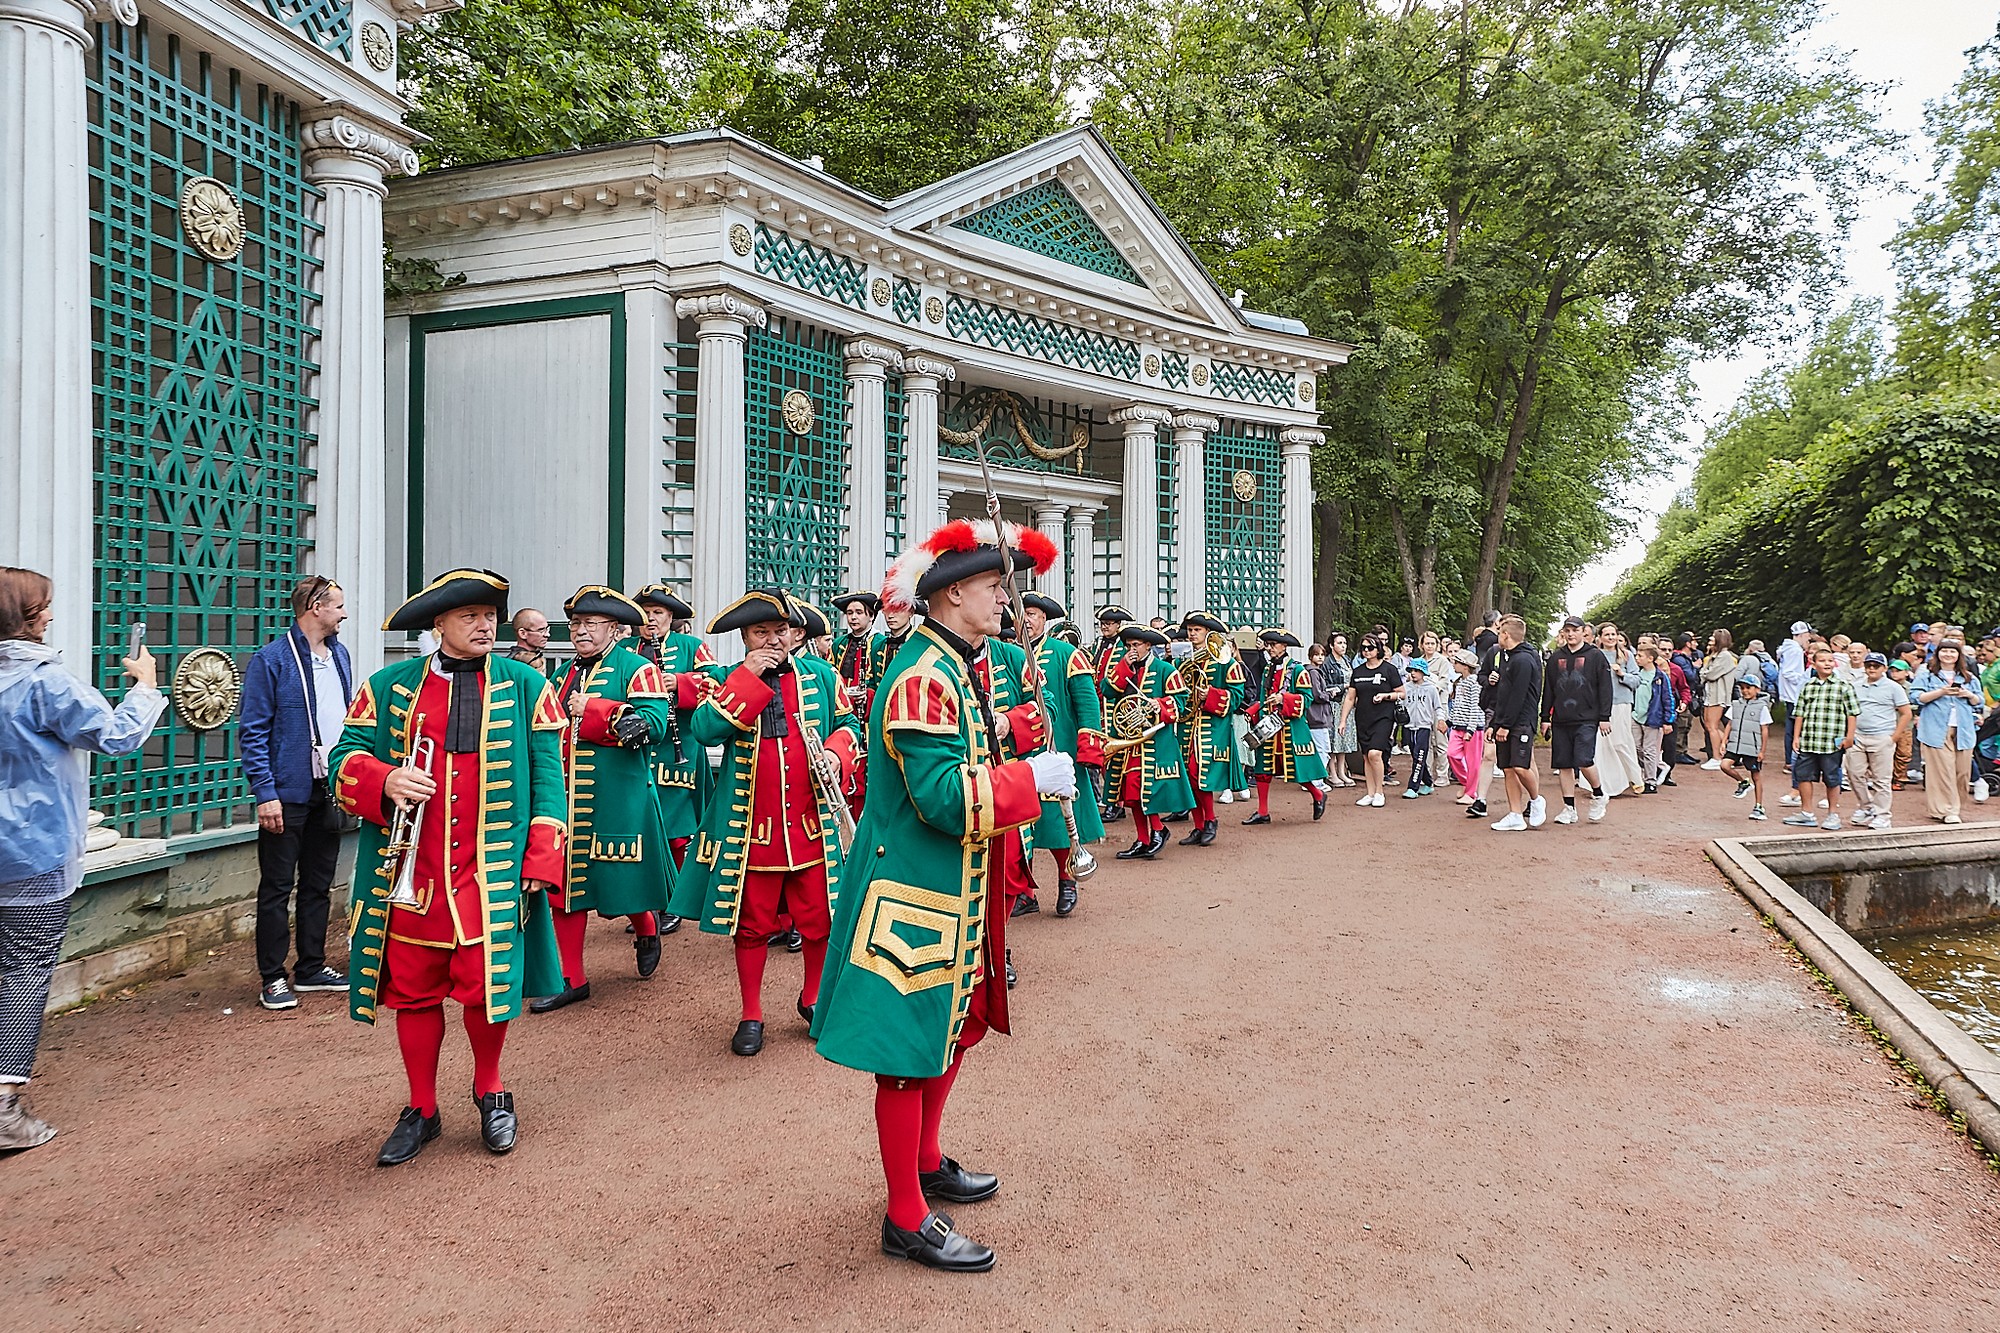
[1652, 713]
[1421, 705]
[1466, 750]
[1743, 751]
[1822, 729]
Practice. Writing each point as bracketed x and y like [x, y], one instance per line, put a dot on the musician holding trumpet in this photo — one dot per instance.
[460, 910]
[770, 839]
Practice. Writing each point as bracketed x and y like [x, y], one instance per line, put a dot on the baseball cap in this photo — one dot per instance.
[1572, 622]
[1921, 627]
[1875, 659]
[1800, 627]
[1900, 665]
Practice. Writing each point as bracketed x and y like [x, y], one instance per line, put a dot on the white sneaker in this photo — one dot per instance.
[1881, 822]
[1538, 812]
[1830, 823]
[1366, 800]
[1598, 805]
[1802, 820]
[1513, 823]
[1244, 794]
[1566, 815]
[1979, 790]
[1953, 819]
[1822, 803]
[1378, 800]
[1862, 818]
[1226, 797]
[1463, 800]
[1712, 765]
[1790, 798]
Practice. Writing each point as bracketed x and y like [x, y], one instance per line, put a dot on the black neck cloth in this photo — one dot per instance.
[462, 726]
[774, 721]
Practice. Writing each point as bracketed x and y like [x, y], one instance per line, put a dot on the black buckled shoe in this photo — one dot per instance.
[1207, 834]
[497, 1125]
[1193, 838]
[749, 1038]
[548, 1004]
[1160, 837]
[935, 1245]
[669, 923]
[1319, 805]
[1026, 905]
[1012, 976]
[1065, 896]
[1178, 817]
[648, 949]
[954, 1184]
[1259, 818]
[806, 1010]
[1142, 848]
[413, 1130]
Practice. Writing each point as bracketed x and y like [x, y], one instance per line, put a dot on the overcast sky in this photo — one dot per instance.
[1917, 47]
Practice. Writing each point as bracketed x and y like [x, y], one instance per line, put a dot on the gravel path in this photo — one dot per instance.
[1387, 1071]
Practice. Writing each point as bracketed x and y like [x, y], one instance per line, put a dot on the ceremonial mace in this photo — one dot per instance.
[1081, 861]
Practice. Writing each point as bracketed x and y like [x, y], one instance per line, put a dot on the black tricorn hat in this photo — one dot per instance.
[448, 592]
[1207, 620]
[659, 594]
[594, 599]
[753, 608]
[1284, 636]
[810, 619]
[1047, 605]
[1136, 633]
[1113, 615]
[1176, 634]
[867, 599]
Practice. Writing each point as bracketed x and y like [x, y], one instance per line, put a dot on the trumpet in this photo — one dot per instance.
[399, 854]
[829, 794]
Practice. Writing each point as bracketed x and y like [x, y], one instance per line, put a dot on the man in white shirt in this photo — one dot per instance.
[1793, 673]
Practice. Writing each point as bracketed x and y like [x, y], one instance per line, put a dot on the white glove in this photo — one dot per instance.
[1055, 773]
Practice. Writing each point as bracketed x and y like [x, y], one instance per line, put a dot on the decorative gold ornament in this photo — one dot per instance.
[739, 239]
[934, 310]
[207, 687]
[377, 46]
[212, 218]
[1201, 375]
[1305, 391]
[1152, 365]
[799, 412]
[1079, 434]
[1244, 483]
[879, 289]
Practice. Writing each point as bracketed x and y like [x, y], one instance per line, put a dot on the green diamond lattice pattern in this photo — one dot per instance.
[1246, 557]
[810, 268]
[327, 24]
[906, 300]
[1174, 371]
[1167, 463]
[1253, 384]
[795, 509]
[1049, 221]
[677, 418]
[1031, 335]
[202, 384]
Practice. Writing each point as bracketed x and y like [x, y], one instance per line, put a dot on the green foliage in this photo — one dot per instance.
[1877, 524]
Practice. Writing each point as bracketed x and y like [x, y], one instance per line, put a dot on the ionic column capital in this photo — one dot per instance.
[870, 360]
[1301, 439]
[1083, 513]
[1135, 415]
[921, 363]
[1198, 424]
[72, 18]
[342, 150]
[722, 314]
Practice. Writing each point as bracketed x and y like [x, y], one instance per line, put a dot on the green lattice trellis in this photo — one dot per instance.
[895, 417]
[1049, 221]
[795, 506]
[327, 24]
[1253, 384]
[906, 300]
[1031, 335]
[1174, 371]
[202, 388]
[1106, 569]
[1166, 537]
[1246, 555]
[809, 267]
[677, 461]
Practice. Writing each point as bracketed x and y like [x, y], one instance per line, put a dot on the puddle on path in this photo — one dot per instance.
[1723, 998]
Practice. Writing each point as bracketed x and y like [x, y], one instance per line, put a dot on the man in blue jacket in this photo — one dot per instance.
[295, 694]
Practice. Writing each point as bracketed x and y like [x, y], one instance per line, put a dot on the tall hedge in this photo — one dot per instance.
[1885, 521]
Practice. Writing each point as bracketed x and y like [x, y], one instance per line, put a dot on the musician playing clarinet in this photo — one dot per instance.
[491, 844]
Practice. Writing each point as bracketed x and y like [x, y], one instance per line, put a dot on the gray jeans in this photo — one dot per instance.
[1871, 770]
[31, 940]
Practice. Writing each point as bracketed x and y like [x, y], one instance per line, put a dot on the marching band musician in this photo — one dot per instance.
[768, 842]
[913, 978]
[1002, 667]
[860, 654]
[1208, 731]
[1289, 755]
[680, 765]
[619, 709]
[492, 810]
[1104, 655]
[1076, 728]
[1150, 777]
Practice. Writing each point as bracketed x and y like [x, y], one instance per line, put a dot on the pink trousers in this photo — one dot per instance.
[1466, 752]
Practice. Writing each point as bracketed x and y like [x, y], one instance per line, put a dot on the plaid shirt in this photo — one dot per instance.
[1822, 710]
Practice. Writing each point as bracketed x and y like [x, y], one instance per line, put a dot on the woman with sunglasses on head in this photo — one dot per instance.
[50, 723]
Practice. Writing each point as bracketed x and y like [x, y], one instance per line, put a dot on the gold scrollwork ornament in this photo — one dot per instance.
[799, 412]
[207, 687]
[212, 218]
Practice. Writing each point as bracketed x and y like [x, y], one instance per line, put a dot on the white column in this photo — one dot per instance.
[1049, 520]
[721, 557]
[1082, 549]
[923, 497]
[1298, 444]
[350, 161]
[47, 511]
[1191, 525]
[1139, 525]
[868, 366]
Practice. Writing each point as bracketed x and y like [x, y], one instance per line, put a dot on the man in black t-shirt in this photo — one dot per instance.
[1488, 637]
[1372, 691]
[1512, 681]
[1576, 710]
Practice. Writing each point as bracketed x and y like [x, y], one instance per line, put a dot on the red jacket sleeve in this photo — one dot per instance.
[547, 858]
[1292, 705]
[1027, 729]
[1216, 701]
[688, 689]
[1090, 748]
[1169, 711]
[358, 788]
[840, 744]
[598, 715]
[1015, 800]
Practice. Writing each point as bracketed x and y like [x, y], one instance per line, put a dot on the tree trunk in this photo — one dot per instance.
[1326, 580]
[1419, 570]
[1510, 458]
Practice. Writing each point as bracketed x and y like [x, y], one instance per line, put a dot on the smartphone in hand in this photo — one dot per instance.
[138, 644]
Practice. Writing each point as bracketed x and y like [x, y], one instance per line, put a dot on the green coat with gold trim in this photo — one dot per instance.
[1076, 728]
[1289, 756]
[521, 786]
[1208, 727]
[909, 944]
[619, 864]
[680, 765]
[710, 886]
[1163, 783]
